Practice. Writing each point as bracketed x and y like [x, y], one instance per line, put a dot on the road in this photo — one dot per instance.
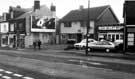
[65, 66]
[13, 72]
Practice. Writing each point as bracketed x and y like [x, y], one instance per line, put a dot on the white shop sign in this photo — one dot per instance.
[110, 27]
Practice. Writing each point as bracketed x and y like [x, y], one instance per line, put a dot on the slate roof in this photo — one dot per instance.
[78, 14]
[20, 9]
[44, 11]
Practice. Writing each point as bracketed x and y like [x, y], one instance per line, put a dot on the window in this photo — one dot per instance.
[117, 36]
[20, 26]
[5, 29]
[130, 39]
[12, 27]
[83, 23]
[68, 24]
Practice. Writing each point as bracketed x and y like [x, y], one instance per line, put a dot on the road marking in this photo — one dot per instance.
[94, 63]
[74, 60]
[8, 72]
[1, 74]
[84, 66]
[2, 70]
[28, 78]
[6, 77]
[18, 75]
[82, 62]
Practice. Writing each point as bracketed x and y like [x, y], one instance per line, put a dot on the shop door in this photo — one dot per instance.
[79, 37]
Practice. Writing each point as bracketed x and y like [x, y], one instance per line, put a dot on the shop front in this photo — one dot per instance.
[110, 32]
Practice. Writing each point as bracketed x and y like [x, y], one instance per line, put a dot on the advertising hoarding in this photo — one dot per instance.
[42, 24]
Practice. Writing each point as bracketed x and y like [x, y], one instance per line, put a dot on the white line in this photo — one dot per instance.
[18, 75]
[27, 78]
[8, 72]
[1, 74]
[6, 77]
[2, 70]
[94, 63]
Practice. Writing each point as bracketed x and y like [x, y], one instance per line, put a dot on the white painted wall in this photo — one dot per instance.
[76, 26]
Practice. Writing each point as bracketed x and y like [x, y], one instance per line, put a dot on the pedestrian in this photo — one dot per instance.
[34, 45]
[39, 44]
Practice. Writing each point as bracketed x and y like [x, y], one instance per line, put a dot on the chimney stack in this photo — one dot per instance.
[36, 5]
[81, 7]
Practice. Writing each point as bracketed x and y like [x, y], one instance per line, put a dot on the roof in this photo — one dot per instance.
[44, 11]
[19, 9]
[82, 14]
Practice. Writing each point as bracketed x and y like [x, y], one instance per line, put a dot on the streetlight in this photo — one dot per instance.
[87, 33]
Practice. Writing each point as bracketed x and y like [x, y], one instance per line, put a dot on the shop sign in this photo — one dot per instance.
[110, 27]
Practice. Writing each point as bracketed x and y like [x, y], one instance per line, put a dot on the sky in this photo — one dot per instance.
[65, 6]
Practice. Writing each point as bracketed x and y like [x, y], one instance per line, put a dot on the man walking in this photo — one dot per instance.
[34, 45]
[39, 44]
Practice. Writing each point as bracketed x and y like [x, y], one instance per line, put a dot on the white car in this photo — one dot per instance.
[117, 42]
[102, 45]
[82, 44]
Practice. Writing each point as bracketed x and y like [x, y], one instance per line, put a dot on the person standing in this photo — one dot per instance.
[34, 45]
[39, 44]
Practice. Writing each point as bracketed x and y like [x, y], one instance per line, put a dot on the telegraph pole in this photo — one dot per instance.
[87, 33]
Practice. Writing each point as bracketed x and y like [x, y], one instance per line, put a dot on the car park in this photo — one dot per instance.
[82, 44]
[102, 45]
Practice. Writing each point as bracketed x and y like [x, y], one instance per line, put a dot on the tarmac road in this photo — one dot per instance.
[79, 66]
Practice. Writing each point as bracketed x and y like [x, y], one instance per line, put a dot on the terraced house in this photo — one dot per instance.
[20, 27]
[73, 25]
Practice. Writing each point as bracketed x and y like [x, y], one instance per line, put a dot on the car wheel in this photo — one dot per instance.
[83, 47]
[89, 49]
[107, 50]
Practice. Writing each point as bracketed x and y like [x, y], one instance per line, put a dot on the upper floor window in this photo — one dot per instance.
[12, 27]
[68, 24]
[21, 26]
[83, 23]
[5, 28]
[12, 15]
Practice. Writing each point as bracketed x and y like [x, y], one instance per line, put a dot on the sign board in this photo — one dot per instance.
[42, 24]
[110, 27]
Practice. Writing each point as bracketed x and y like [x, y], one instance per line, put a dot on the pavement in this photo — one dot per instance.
[60, 49]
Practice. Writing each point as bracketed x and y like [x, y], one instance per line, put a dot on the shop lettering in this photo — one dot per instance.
[110, 27]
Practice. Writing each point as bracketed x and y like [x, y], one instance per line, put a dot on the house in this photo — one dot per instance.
[7, 38]
[16, 27]
[39, 24]
[73, 25]
[20, 27]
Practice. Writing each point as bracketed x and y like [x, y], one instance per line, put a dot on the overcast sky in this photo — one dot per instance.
[64, 6]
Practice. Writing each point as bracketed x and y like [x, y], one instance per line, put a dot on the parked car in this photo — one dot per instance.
[82, 44]
[119, 44]
[102, 45]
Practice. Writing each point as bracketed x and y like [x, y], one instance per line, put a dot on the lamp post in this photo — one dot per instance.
[87, 32]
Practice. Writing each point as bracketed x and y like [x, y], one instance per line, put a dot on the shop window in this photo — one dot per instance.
[121, 36]
[130, 39]
[5, 41]
[117, 36]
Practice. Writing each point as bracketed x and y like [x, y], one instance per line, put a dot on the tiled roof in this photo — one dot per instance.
[44, 11]
[82, 14]
[20, 9]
